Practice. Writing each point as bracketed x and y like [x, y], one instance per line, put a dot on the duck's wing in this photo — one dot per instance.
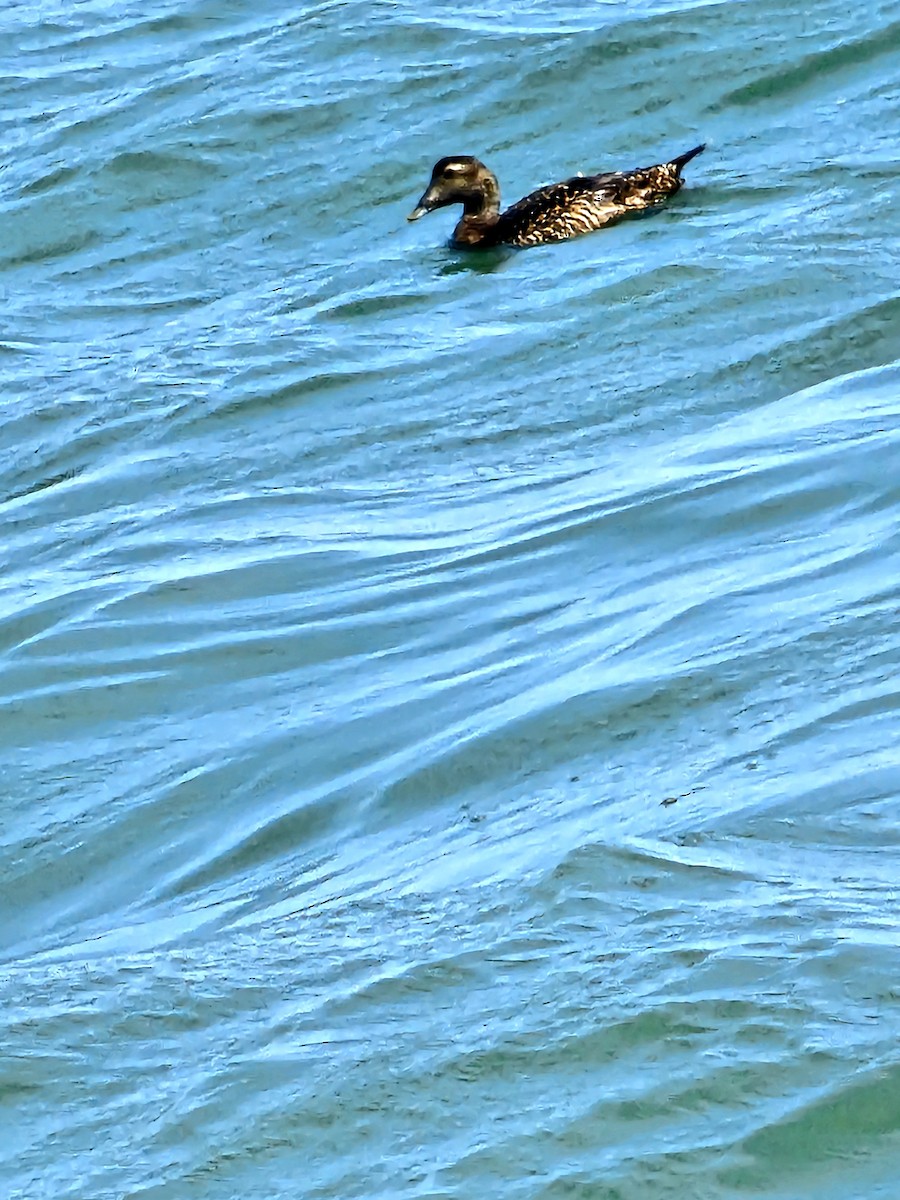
[585, 202]
[553, 213]
[645, 186]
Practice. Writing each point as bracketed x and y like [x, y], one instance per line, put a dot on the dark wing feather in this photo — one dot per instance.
[562, 210]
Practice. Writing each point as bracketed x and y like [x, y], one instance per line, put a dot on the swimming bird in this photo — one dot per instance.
[552, 213]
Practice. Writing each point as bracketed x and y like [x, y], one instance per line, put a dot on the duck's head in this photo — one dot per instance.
[460, 180]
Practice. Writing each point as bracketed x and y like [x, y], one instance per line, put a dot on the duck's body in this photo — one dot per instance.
[551, 214]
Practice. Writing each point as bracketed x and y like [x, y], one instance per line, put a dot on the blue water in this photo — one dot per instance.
[449, 735]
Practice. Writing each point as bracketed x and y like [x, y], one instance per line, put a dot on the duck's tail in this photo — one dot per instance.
[682, 159]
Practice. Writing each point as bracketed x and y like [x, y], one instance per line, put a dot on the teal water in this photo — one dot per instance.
[449, 740]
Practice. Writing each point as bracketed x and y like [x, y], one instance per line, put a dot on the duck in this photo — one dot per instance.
[553, 213]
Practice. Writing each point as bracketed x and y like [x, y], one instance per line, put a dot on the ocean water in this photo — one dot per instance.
[449, 705]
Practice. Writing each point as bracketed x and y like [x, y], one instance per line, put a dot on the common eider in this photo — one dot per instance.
[552, 213]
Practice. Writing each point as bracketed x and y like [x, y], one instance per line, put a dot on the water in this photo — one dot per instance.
[449, 740]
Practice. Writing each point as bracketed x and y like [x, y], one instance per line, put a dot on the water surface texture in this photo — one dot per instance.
[449, 739]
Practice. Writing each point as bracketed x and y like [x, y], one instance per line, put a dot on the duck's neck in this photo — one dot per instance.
[485, 203]
[481, 212]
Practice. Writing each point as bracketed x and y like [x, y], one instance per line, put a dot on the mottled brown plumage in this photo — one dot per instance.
[552, 213]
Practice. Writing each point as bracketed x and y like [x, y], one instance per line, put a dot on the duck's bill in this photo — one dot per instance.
[430, 199]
